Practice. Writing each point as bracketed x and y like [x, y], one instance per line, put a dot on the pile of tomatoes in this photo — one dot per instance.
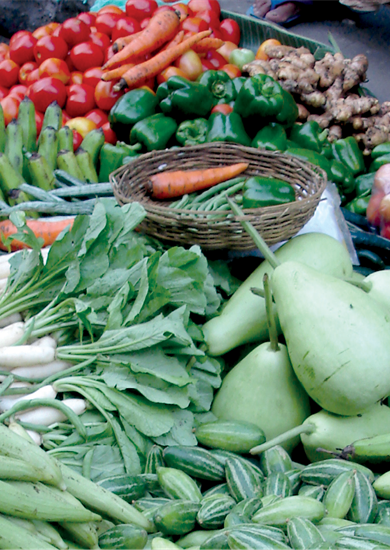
[62, 62]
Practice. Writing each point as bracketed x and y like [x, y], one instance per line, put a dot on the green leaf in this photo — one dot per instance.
[127, 449]
[150, 419]
[181, 432]
[97, 224]
[107, 461]
[222, 277]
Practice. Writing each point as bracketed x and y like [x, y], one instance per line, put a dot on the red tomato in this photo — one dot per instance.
[77, 139]
[110, 9]
[93, 76]
[22, 49]
[216, 59]
[108, 54]
[39, 121]
[53, 25]
[139, 9]
[109, 134]
[215, 33]
[80, 100]
[210, 17]
[194, 24]
[57, 31]
[206, 65]
[3, 92]
[163, 8]
[124, 27]
[4, 51]
[50, 46]
[9, 73]
[100, 39]
[223, 108]
[57, 68]
[25, 70]
[16, 36]
[226, 49]
[97, 116]
[10, 105]
[19, 90]
[106, 22]
[190, 63]
[105, 96]
[65, 117]
[76, 77]
[232, 70]
[32, 77]
[88, 17]
[230, 30]
[45, 30]
[144, 23]
[74, 31]
[69, 62]
[45, 91]
[184, 10]
[170, 71]
[372, 213]
[201, 5]
[86, 55]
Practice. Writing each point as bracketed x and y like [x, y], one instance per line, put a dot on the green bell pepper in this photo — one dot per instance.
[259, 96]
[192, 132]
[184, 99]
[130, 109]
[309, 135]
[153, 132]
[358, 205]
[364, 184]
[380, 150]
[113, 157]
[289, 112]
[378, 162]
[260, 191]
[342, 177]
[227, 128]
[272, 137]
[220, 85]
[347, 150]
[238, 81]
[313, 157]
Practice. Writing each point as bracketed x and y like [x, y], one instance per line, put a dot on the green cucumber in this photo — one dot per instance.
[294, 475]
[275, 459]
[195, 538]
[324, 471]
[280, 512]
[125, 486]
[150, 503]
[195, 462]
[248, 506]
[235, 436]
[241, 480]
[364, 506]
[303, 534]
[313, 491]
[277, 483]
[220, 489]
[213, 510]
[233, 519]
[339, 495]
[242, 540]
[123, 536]
[154, 459]
[374, 532]
[177, 484]
[177, 517]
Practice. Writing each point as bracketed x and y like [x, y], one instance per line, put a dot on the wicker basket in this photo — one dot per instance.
[188, 227]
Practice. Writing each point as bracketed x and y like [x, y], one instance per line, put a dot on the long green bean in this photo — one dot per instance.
[38, 193]
[83, 190]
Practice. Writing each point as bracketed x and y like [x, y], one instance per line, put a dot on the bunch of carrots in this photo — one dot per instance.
[145, 54]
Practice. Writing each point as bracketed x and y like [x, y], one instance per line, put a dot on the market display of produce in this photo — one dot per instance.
[151, 397]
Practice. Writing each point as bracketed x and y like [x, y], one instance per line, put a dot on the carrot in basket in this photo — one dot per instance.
[45, 228]
[162, 28]
[168, 185]
[207, 44]
[114, 74]
[174, 42]
[139, 74]
[122, 41]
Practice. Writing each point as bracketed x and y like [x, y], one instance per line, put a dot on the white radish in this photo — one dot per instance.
[5, 270]
[3, 284]
[24, 356]
[29, 435]
[8, 401]
[10, 334]
[35, 437]
[45, 341]
[41, 371]
[49, 415]
[14, 318]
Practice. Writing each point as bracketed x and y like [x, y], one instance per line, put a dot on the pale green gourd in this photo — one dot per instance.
[263, 389]
[324, 431]
[243, 318]
[378, 287]
[337, 338]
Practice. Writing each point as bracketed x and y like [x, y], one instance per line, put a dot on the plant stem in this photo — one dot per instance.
[286, 436]
[272, 330]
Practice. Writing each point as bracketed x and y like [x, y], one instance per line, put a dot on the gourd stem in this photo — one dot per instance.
[257, 239]
[364, 285]
[272, 330]
[282, 438]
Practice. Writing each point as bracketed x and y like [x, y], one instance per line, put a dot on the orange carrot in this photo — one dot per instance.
[175, 40]
[122, 41]
[45, 228]
[168, 185]
[115, 74]
[162, 28]
[139, 74]
[207, 44]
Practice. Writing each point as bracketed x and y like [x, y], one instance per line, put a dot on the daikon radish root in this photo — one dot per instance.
[8, 401]
[5, 270]
[25, 355]
[10, 334]
[14, 318]
[45, 341]
[48, 415]
[41, 371]
[29, 435]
